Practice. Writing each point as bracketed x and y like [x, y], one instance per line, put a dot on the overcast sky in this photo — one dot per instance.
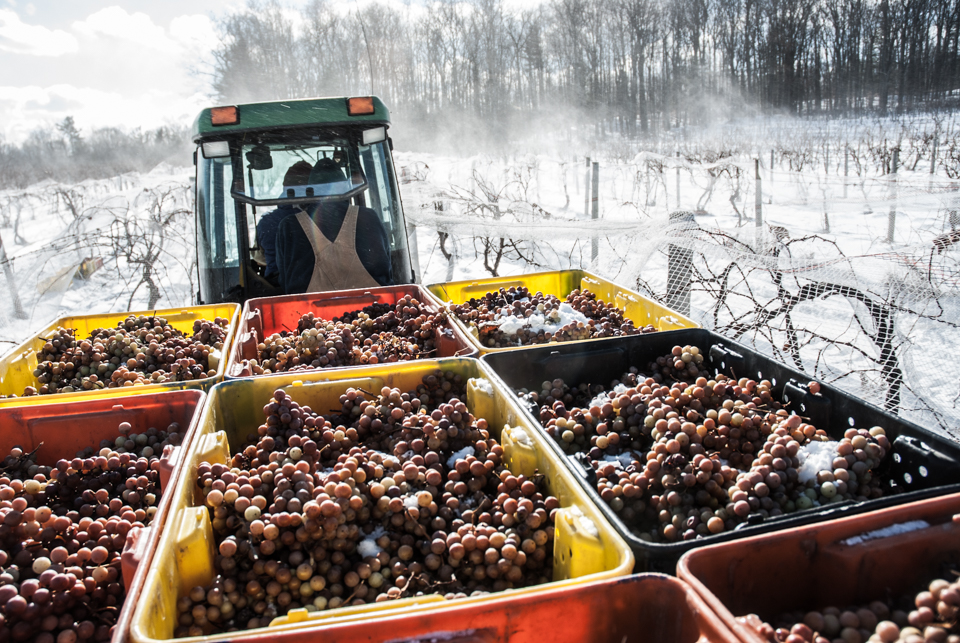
[129, 63]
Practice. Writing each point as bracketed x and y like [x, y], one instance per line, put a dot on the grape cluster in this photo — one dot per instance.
[681, 455]
[63, 529]
[929, 616]
[394, 495]
[586, 318]
[141, 350]
[376, 334]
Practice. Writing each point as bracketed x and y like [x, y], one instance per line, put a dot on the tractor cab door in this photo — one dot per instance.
[217, 234]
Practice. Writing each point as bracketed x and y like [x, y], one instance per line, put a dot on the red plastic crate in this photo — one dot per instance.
[651, 608]
[815, 566]
[68, 427]
[268, 315]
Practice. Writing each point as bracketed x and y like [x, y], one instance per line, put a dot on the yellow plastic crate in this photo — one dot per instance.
[560, 283]
[17, 366]
[234, 408]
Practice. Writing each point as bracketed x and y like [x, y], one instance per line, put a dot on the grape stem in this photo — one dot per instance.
[20, 460]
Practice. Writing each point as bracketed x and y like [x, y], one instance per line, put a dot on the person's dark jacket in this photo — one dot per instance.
[294, 253]
[267, 235]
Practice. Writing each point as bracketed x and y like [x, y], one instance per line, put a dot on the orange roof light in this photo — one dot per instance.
[360, 106]
[225, 115]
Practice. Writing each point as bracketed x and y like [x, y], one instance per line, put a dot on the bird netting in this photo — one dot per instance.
[818, 283]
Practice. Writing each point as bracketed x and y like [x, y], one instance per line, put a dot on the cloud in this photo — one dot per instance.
[125, 70]
[18, 37]
[116, 23]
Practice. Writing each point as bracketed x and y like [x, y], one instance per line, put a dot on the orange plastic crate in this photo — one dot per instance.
[813, 567]
[64, 428]
[651, 608]
[265, 316]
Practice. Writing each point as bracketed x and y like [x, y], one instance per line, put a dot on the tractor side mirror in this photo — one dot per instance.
[259, 158]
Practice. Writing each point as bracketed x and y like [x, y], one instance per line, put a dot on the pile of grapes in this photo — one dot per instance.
[680, 454]
[395, 494]
[62, 531]
[515, 317]
[141, 350]
[929, 616]
[377, 334]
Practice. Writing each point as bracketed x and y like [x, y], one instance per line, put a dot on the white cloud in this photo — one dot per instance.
[18, 37]
[116, 23]
[126, 70]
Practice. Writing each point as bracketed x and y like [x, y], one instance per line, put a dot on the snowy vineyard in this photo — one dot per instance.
[851, 274]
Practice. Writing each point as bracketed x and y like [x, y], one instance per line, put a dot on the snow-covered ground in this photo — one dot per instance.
[131, 222]
[820, 283]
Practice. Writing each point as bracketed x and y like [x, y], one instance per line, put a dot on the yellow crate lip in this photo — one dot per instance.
[434, 291]
[613, 543]
[103, 320]
[250, 305]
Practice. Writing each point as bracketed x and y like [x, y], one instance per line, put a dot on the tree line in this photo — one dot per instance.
[630, 66]
[66, 154]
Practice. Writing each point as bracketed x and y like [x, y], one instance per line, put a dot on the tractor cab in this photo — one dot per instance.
[279, 158]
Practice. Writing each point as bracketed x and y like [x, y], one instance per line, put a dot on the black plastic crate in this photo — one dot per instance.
[921, 464]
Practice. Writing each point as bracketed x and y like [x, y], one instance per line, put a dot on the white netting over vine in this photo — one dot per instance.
[125, 243]
[819, 284]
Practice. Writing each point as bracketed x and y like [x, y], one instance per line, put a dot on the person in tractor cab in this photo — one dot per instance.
[332, 245]
[297, 174]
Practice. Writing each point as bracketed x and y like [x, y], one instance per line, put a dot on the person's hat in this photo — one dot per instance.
[326, 171]
[298, 174]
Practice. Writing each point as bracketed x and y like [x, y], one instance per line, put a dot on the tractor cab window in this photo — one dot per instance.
[283, 172]
[304, 167]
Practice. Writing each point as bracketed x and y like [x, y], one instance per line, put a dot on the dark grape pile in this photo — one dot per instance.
[927, 616]
[395, 494]
[680, 454]
[485, 316]
[377, 334]
[62, 531]
[141, 350]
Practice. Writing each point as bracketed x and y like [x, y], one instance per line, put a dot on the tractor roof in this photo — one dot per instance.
[289, 113]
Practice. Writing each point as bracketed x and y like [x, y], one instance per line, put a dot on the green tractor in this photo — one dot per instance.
[259, 161]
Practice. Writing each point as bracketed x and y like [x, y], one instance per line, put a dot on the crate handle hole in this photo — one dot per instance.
[759, 375]
[852, 421]
[773, 381]
[907, 478]
[923, 471]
